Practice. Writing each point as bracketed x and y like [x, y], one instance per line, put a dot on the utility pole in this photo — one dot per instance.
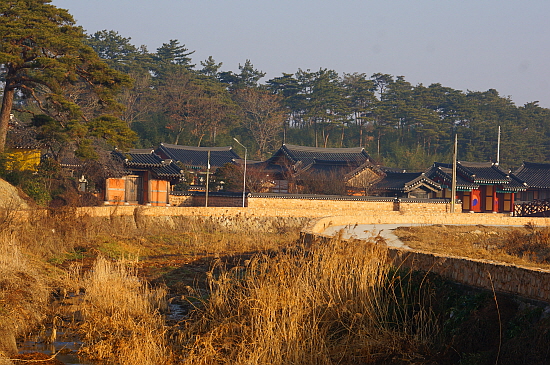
[453, 183]
[498, 147]
[207, 179]
[244, 173]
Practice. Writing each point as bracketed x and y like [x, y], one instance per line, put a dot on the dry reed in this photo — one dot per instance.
[122, 323]
[23, 293]
[331, 303]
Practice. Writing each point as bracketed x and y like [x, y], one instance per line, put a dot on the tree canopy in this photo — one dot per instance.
[50, 66]
[45, 61]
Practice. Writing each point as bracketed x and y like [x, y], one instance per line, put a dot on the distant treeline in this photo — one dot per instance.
[399, 124]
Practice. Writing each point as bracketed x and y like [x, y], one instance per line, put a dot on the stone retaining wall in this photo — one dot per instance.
[503, 219]
[506, 278]
[323, 204]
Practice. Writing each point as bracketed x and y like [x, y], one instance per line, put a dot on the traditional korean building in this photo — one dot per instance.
[23, 151]
[146, 179]
[292, 163]
[296, 156]
[338, 177]
[536, 177]
[197, 161]
[481, 186]
[407, 185]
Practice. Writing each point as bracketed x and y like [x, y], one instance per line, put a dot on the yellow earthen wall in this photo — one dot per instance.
[181, 200]
[274, 203]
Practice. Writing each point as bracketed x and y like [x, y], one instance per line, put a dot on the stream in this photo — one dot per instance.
[66, 346]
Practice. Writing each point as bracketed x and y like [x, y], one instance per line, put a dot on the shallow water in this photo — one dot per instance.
[67, 350]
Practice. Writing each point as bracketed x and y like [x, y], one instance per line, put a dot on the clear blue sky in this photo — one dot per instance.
[464, 44]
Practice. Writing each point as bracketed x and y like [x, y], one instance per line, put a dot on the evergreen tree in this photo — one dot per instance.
[210, 67]
[44, 54]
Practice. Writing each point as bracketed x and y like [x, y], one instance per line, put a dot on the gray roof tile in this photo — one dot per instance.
[197, 157]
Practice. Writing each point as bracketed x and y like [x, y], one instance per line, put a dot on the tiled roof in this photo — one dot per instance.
[139, 158]
[535, 175]
[168, 171]
[197, 157]
[391, 169]
[69, 161]
[514, 185]
[444, 172]
[147, 159]
[483, 172]
[307, 155]
[470, 175]
[339, 168]
[20, 136]
[405, 181]
[368, 165]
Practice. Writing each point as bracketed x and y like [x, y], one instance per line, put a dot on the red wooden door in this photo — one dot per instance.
[475, 203]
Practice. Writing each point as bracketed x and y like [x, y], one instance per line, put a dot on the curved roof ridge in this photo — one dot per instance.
[194, 148]
[324, 149]
[536, 165]
[141, 150]
[476, 164]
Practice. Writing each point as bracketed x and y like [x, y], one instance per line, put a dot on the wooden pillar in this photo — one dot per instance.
[495, 200]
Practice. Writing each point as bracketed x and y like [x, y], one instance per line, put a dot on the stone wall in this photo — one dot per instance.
[525, 282]
[418, 207]
[425, 217]
[290, 201]
[181, 200]
[145, 218]
[323, 204]
[505, 278]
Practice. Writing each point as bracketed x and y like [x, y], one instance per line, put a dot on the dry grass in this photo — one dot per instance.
[525, 246]
[49, 254]
[23, 292]
[334, 302]
[121, 316]
[329, 303]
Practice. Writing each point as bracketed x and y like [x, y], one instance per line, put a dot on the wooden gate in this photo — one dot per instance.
[134, 189]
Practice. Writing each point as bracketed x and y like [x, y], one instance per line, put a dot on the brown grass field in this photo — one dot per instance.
[527, 246]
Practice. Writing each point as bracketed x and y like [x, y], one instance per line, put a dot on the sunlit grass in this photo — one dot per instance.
[524, 246]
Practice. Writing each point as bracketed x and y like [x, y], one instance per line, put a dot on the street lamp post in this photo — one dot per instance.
[244, 174]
